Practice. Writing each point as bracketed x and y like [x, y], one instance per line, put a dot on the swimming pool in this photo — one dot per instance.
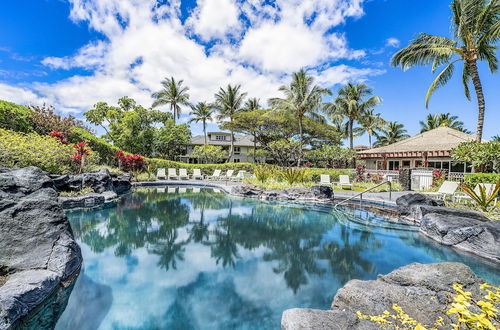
[195, 258]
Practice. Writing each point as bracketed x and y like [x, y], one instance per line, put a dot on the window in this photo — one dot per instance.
[236, 160]
[418, 163]
[237, 150]
[393, 165]
[220, 137]
[406, 163]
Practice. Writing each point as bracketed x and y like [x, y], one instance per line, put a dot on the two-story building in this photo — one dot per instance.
[243, 146]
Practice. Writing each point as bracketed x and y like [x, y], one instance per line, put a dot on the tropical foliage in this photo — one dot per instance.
[442, 120]
[330, 156]
[15, 117]
[173, 94]
[202, 112]
[371, 124]
[476, 29]
[482, 198]
[393, 133]
[481, 155]
[209, 154]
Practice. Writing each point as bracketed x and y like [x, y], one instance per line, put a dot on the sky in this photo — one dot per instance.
[74, 53]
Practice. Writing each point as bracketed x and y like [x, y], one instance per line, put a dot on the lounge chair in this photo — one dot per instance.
[215, 176]
[160, 174]
[171, 190]
[197, 174]
[489, 187]
[182, 190]
[240, 176]
[160, 190]
[228, 175]
[447, 189]
[183, 174]
[172, 173]
[344, 181]
[324, 180]
[196, 190]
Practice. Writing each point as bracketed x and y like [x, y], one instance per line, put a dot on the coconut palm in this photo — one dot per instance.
[252, 104]
[476, 30]
[393, 133]
[228, 102]
[371, 123]
[173, 94]
[202, 112]
[301, 97]
[495, 138]
[353, 102]
[442, 120]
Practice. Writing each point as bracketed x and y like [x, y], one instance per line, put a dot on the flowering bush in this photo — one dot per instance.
[132, 163]
[80, 154]
[60, 136]
[438, 177]
[360, 173]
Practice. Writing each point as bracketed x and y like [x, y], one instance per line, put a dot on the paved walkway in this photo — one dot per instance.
[374, 197]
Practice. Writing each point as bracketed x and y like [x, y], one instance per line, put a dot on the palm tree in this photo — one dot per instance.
[395, 132]
[495, 138]
[371, 124]
[351, 103]
[301, 97]
[228, 101]
[476, 30]
[174, 94]
[252, 104]
[442, 120]
[202, 112]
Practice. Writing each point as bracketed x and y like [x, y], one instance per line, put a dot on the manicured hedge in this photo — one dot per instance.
[473, 179]
[15, 117]
[207, 169]
[313, 174]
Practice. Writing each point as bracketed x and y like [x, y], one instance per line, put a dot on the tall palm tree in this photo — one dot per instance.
[476, 30]
[252, 104]
[495, 138]
[352, 102]
[393, 133]
[228, 102]
[202, 112]
[442, 120]
[173, 94]
[301, 97]
[371, 123]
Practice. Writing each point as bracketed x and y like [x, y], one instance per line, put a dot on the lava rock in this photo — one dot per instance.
[406, 202]
[100, 181]
[121, 183]
[324, 192]
[465, 233]
[88, 200]
[247, 190]
[418, 212]
[423, 291]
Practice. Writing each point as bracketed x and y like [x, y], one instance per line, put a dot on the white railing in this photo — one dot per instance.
[456, 176]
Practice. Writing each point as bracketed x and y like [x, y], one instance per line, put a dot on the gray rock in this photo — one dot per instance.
[100, 181]
[423, 291]
[36, 242]
[247, 190]
[87, 200]
[322, 192]
[468, 234]
[418, 212]
[406, 202]
[121, 183]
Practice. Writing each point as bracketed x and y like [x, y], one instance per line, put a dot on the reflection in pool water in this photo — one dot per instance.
[198, 259]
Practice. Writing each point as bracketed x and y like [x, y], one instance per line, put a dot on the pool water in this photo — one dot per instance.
[191, 258]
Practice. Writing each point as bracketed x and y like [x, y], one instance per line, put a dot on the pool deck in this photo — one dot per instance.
[373, 197]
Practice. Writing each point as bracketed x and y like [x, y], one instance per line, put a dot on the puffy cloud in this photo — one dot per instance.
[215, 19]
[19, 95]
[392, 42]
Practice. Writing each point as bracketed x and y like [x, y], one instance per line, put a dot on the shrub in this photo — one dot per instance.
[293, 175]
[263, 172]
[209, 154]
[105, 150]
[472, 179]
[482, 199]
[314, 173]
[45, 120]
[132, 163]
[15, 117]
[31, 149]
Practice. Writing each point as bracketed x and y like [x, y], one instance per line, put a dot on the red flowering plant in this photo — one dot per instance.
[438, 177]
[80, 154]
[60, 136]
[131, 163]
[360, 173]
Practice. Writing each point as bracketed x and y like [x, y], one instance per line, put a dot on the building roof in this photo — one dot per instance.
[239, 141]
[441, 139]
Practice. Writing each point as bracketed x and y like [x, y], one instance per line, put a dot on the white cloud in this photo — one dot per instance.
[19, 95]
[258, 44]
[392, 42]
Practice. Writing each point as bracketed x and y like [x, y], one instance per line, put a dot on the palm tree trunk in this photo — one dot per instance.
[254, 149]
[173, 111]
[370, 139]
[351, 138]
[480, 99]
[231, 151]
[301, 142]
[205, 131]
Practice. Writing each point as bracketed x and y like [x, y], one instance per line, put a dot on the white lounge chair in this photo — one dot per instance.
[447, 189]
[196, 190]
[344, 181]
[228, 175]
[171, 190]
[172, 173]
[160, 174]
[160, 190]
[489, 187]
[324, 180]
[215, 176]
[182, 190]
[197, 174]
[240, 176]
[183, 174]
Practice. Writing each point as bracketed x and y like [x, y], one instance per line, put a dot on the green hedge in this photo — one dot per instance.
[473, 179]
[314, 173]
[207, 169]
[104, 150]
[15, 117]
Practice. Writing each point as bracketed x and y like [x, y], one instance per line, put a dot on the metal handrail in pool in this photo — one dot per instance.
[364, 191]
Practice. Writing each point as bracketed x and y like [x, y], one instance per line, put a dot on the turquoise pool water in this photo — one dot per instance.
[184, 258]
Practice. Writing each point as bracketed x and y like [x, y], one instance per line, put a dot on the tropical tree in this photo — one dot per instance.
[228, 102]
[476, 29]
[371, 123]
[202, 112]
[174, 94]
[353, 101]
[496, 138]
[393, 133]
[442, 120]
[252, 104]
[301, 97]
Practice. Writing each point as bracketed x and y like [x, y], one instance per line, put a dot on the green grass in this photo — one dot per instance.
[84, 191]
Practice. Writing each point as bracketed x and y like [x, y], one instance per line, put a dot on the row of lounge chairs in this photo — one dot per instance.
[344, 181]
[448, 190]
[197, 175]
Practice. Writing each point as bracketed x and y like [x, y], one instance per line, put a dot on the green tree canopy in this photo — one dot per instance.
[15, 117]
[393, 133]
[442, 120]
[173, 94]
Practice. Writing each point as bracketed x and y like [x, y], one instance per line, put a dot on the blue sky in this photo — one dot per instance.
[74, 53]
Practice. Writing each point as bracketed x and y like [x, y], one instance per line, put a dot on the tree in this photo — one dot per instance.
[202, 112]
[353, 102]
[371, 124]
[252, 104]
[45, 120]
[480, 155]
[331, 155]
[15, 117]
[301, 97]
[476, 29]
[171, 140]
[173, 94]
[209, 154]
[285, 152]
[496, 138]
[442, 120]
[228, 101]
[393, 133]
